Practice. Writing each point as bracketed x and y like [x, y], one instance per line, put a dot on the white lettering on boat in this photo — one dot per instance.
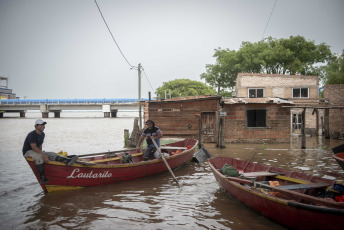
[77, 174]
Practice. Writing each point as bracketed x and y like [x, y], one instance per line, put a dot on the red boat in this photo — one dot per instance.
[339, 157]
[287, 197]
[106, 168]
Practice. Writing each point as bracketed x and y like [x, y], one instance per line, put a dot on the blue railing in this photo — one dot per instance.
[71, 101]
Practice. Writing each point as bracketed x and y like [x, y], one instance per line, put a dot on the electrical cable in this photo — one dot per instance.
[131, 66]
[269, 18]
[143, 70]
[113, 36]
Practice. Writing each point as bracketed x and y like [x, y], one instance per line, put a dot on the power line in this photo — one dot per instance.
[269, 18]
[112, 35]
[147, 78]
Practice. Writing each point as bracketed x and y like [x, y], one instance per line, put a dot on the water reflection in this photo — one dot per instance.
[157, 202]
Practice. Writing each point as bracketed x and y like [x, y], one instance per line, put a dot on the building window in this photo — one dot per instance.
[300, 92]
[256, 118]
[252, 93]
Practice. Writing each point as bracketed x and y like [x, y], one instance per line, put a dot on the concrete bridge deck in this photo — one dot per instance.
[110, 107]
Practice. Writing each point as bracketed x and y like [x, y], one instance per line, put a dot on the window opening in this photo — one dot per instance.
[256, 118]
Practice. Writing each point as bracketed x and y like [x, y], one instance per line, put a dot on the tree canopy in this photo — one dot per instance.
[334, 71]
[183, 88]
[294, 55]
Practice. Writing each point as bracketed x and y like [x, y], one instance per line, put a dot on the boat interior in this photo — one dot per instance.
[116, 157]
[281, 183]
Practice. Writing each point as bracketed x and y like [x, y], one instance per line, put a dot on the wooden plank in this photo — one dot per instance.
[304, 186]
[281, 177]
[114, 158]
[171, 147]
[256, 174]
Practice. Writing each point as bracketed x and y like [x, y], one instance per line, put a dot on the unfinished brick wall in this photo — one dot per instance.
[335, 94]
[277, 128]
[276, 85]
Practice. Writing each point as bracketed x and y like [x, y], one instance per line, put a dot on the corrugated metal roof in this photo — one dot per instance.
[263, 100]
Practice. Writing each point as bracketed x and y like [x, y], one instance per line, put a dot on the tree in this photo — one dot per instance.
[219, 76]
[292, 56]
[334, 71]
[183, 88]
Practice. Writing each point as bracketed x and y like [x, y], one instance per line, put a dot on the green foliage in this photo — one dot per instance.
[292, 56]
[334, 71]
[184, 88]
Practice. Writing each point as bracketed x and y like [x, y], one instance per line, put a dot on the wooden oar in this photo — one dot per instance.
[106, 153]
[243, 170]
[163, 158]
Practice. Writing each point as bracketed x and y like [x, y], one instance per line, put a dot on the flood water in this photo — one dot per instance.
[154, 202]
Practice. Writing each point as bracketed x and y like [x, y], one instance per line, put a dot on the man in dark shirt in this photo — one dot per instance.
[152, 132]
[33, 148]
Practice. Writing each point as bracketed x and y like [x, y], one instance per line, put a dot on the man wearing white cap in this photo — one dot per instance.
[33, 148]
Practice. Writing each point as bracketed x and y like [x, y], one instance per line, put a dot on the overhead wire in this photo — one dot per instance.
[131, 66]
[113, 36]
[269, 18]
[144, 72]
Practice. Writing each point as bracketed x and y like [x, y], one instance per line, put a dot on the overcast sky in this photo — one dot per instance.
[62, 48]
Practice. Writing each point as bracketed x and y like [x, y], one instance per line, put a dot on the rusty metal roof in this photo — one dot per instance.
[263, 100]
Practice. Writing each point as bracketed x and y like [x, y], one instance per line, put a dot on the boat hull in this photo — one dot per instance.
[339, 157]
[287, 212]
[63, 177]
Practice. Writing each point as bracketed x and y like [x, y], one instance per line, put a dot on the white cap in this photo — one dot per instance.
[40, 122]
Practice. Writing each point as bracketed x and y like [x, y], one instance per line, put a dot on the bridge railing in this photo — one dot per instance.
[71, 101]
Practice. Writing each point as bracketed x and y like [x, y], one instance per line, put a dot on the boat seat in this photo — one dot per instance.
[304, 186]
[171, 147]
[113, 159]
[256, 174]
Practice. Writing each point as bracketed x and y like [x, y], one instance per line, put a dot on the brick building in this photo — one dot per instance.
[335, 94]
[300, 89]
[256, 120]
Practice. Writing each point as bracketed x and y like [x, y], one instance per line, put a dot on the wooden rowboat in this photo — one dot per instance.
[339, 157]
[293, 203]
[106, 168]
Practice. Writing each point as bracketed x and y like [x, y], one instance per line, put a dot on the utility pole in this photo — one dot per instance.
[140, 115]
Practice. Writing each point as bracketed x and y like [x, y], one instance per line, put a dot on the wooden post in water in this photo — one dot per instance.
[200, 130]
[126, 138]
[303, 134]
[326, 123]
[221, 133]
[317, 122]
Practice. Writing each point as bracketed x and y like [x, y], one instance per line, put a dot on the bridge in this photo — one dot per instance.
[110, 107]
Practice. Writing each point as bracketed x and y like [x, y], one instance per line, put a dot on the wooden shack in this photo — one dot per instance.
[180, 116]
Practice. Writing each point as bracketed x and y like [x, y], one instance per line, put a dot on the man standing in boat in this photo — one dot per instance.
[152, 132]
[33, 148]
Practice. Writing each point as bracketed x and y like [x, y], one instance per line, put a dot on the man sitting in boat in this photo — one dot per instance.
[152, 132]
[33, 148]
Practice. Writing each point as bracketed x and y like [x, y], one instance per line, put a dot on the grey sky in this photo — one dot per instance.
[62, 48]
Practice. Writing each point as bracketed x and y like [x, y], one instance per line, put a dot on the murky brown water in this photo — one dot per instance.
[154, 202]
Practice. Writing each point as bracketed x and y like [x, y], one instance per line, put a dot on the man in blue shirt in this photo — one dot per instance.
[151, 132]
